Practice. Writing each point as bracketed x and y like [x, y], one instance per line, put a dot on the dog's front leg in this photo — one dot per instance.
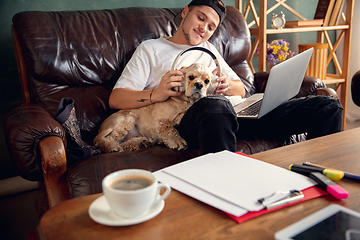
[168, 135]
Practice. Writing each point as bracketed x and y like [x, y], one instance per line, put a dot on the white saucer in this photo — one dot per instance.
[101, 212]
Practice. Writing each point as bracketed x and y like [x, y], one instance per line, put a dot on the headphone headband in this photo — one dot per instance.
[200, 49]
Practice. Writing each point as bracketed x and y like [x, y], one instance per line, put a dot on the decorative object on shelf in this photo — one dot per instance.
[317, 64]
[278, 21]
[304, 23]
[277, 51]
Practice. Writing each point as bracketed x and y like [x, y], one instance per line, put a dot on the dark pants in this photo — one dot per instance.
[211, 123]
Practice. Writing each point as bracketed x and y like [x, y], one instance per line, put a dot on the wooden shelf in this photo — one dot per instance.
[254, 31]
[341, 80]
[333, 80]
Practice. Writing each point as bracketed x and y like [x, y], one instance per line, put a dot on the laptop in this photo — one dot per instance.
[284, 82]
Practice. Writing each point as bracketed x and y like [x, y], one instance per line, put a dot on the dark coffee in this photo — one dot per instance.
[131, 183]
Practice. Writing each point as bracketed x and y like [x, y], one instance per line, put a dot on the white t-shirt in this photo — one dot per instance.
[153, 58]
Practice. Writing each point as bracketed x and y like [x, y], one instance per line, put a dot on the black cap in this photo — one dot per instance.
[217, 5]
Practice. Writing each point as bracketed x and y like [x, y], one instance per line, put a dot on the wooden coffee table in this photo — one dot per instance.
[186, 218]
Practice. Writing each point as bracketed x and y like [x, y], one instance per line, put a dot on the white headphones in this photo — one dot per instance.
[182, 89]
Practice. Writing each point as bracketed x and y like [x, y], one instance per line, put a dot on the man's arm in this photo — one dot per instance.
[124, 98]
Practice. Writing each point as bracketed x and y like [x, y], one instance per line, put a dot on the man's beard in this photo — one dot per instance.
[187, 35]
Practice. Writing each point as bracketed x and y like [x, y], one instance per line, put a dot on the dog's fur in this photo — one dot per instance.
[128, 130]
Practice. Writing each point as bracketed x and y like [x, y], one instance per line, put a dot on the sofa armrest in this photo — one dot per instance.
[53, 161]
[315, 86]
[310, 86]
[25, 126]
[326, 92]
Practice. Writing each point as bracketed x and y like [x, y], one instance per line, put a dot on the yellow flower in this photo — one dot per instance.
[275, 49]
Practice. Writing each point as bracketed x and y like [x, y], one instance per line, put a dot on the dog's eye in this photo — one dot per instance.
[191, 78]
[206, 81]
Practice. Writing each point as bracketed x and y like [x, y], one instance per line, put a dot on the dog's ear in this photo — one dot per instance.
[213, 85]
[181, 89]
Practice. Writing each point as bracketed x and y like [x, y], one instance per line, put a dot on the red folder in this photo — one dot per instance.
[309, 193]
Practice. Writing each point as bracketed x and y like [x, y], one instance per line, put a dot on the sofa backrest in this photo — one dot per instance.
[81, 54]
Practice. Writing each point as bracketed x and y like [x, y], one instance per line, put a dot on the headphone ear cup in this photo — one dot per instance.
[213, 86]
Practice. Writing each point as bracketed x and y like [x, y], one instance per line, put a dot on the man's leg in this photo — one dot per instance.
[315, 115]
[210, 124]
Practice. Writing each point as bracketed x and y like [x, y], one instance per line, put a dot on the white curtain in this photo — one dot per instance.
[353, 111]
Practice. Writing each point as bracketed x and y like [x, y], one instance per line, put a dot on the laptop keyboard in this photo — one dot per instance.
[251, 110]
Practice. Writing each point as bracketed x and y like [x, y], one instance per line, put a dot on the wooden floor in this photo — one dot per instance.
[17, 214]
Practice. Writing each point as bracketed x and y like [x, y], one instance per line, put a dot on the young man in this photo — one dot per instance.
[211, 123]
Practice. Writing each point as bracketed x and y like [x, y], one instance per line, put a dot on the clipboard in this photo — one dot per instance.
[188, 177]
[309, 193]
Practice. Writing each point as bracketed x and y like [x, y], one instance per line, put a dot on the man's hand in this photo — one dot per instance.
[171, 79]
[229, 87]
[223, 86]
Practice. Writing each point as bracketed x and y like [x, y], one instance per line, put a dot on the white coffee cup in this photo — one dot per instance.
[132, 203]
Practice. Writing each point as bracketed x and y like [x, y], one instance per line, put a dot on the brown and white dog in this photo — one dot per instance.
[155, 123]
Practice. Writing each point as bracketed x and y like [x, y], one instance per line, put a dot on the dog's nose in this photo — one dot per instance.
[198, 85]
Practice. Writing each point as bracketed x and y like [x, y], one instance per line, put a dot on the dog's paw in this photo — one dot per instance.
[177, 143]
[107, 145]
[137, 143]
[147, 142]
[127, 147]
[110, 149]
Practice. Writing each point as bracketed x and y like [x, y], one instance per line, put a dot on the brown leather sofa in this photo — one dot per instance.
[80, 55]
